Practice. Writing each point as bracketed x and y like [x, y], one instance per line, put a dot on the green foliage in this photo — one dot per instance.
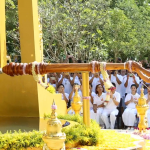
[79, 133]
[87, 29]
[20, 140]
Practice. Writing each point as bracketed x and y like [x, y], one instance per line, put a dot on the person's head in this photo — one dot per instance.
[98, 89]
[133, 88]
[74, 85]
[96, 74]
[119, 60]
[79, 74]
[123, 72]
[60, 88]
[114, 72]
[67, 75]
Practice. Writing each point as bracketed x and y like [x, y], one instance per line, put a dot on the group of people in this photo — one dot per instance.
[127, 91]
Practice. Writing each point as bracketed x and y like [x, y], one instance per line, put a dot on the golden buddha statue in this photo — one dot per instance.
[142, 107]
[54, 138]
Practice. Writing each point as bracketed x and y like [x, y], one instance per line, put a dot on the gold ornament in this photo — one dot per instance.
[76, 104]
[142, 108]
[54, 138]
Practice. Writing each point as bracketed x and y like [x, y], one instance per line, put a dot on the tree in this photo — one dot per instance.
[75, 27]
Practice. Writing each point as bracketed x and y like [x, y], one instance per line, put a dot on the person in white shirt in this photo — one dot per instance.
[147, 96]
[77, 78]
[98, 104]
[117, 79]
[91, 94]
[129, 80]
[129, 115]
[95, 80]
[65, 96]
[71, 95]
[111, 109]
[123, 88]
[66, 80]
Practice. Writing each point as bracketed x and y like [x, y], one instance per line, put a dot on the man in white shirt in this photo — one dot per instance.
[111, 109]
[65, 96]
[77, 78]
[129, 80]
[147, 96]
[66, 80]
[117, 79]
[123, 88]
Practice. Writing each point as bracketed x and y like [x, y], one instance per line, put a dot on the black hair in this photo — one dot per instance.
[79, 61]
[133, 85]
[113, 84]
[96, 88]
[119, 59]
[60, 85]
[75, 84]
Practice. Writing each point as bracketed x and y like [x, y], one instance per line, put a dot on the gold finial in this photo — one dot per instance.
[141, 109]
[54, 114]
[76, 103]
[54, 138]
[53, 102]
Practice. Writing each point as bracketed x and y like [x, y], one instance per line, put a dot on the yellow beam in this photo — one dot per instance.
[86, 103]
[2, 34]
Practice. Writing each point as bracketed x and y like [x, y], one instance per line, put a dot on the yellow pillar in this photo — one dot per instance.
[86, 103]
[29, 30]
[2, 34]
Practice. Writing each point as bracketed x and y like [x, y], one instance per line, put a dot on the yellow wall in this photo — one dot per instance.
[21, 95]
[21, 98]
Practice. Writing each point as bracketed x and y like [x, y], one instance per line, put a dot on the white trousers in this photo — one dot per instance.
[148, 117]
[97, 116]
[105, 118]
[129, 116]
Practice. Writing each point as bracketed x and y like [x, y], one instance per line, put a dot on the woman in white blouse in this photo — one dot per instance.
[129, 115]
[98, 104]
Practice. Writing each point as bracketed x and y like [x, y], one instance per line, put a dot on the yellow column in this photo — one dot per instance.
[86, 103]
[29, 30]
[2, 34]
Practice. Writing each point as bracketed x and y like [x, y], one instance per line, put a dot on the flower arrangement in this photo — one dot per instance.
[145, 135]
[93, 138]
